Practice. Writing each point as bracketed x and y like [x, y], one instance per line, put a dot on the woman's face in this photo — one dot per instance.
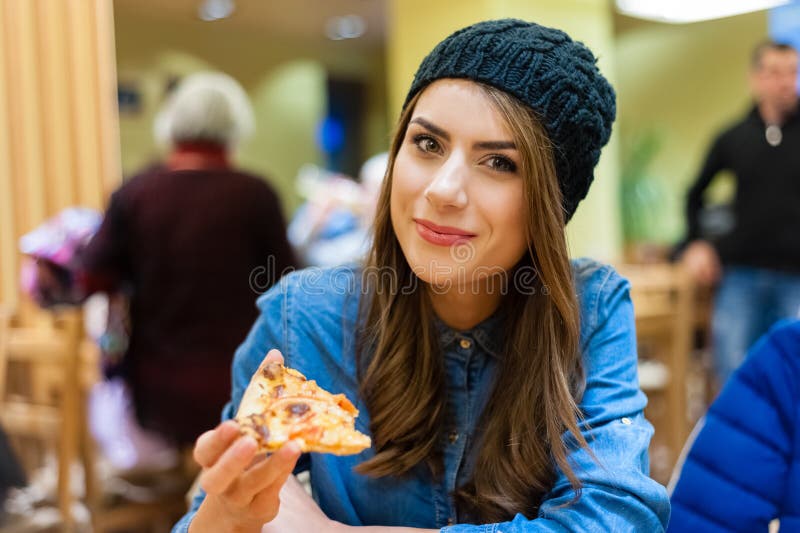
[457, 201]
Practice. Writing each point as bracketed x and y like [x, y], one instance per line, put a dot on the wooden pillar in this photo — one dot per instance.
[59, 135]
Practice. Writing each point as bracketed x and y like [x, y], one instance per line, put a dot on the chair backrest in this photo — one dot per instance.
[659, 290]
[44, 358]
[663, 303]
[663, 297]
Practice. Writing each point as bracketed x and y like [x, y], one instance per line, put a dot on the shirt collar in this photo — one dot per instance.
[487, 334]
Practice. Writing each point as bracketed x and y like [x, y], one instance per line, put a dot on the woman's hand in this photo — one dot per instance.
[242, 491]
[299, 513]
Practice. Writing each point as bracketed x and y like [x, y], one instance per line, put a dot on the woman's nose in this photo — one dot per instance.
[447, 187]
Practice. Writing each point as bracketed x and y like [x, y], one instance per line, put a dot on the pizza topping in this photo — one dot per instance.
[268, 373]
[297, 409]
[344, 403]
[278, 392]
[310, 433]
[263, 431]
[258, 426]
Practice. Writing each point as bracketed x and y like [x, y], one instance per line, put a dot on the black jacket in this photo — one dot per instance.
[766, 208]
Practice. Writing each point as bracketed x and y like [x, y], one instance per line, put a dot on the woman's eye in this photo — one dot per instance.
[427, 143]
[502, 164]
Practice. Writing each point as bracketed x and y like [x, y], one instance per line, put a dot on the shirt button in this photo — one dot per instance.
[453, 437]
[626, 421]
[465, 343]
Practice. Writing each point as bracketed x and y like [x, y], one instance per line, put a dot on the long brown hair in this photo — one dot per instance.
[539, 378]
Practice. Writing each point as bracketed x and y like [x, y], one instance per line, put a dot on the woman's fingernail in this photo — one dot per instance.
[230, 427]
[245, 446]
[293, 447]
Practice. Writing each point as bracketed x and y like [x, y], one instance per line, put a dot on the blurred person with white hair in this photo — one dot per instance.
[194, 241]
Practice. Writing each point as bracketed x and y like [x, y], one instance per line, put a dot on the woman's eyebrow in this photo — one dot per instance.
[436, 130]
[481, 145]
[495, 145]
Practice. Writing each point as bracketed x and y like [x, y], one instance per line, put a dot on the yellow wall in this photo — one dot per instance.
[410, 38]
[685, 82]
[595, 229]
[285, 79]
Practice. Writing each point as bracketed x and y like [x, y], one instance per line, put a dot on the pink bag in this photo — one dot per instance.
[53, 249]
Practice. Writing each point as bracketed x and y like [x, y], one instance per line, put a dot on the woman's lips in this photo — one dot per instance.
[441, 235]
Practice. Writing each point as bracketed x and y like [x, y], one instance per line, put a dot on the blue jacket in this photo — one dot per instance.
[743, 469]
[311, 318]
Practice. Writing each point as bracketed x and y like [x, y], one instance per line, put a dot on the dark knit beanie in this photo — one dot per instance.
[547, 71]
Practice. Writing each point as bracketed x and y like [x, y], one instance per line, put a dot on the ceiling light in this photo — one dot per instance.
[346, 27]
[685, 11]
[215, 9]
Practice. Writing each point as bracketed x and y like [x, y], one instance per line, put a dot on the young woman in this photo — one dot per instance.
[496, 379]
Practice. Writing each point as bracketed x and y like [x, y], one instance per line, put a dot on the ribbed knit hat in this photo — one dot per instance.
[547, 71]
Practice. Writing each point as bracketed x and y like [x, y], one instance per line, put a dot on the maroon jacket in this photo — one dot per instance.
[187, 243]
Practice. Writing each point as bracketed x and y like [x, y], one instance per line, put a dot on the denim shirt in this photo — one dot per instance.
[311, 317]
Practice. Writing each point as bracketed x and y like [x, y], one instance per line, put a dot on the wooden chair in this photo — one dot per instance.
[42, 400]
[662, 296]
[46, 372]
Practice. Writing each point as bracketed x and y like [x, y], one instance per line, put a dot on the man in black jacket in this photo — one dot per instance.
[757, 261]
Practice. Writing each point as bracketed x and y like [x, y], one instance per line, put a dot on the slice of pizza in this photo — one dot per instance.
[280, 405]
